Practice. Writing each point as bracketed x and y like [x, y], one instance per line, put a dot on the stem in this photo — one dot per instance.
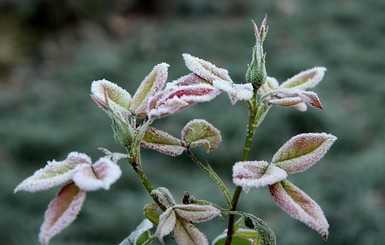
[249, 137]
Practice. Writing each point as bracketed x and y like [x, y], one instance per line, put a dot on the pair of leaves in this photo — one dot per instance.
[298, 154]
[292, 92]
[83, 176]
[194, 133]
[178, 218]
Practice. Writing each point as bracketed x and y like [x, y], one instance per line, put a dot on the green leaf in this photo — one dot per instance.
[265, 234]
[198, 132]
[163, 142]
[141, 235]
[305, 79]
[303, 151]
[150, 211]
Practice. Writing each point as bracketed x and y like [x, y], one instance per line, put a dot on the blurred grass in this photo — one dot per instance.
[50, 53]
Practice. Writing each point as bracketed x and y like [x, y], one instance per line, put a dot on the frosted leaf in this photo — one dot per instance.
[198, 132]
[300, 106]
[268, 86]
[110, 96]
[172, 100]
[164, 196]
[196, 213]
[114, 156]
[101, 174]
[249, 174]
[305, 79]
[311, 98]
[293, 97]
[163, 142]
[54, 173]
[142, 229]
[300, 206]
[186, 233]
[186, 80]
[235, 91]
[61, 212]
[205, 69]
[150, 211]
[287, 101]
[166, 224]
[152, 84]
[303, 151]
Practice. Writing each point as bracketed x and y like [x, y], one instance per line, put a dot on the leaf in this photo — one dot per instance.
[300, 206]
[175, 99]
[152, 84]
[220, 240]
[235, 91]
[186, 80]
[306, 79]
[167, 222]
[249, 174]
[265, 235]
[61, 212]
[198, 132]
[303, 151]
[101, 174]
[108, 95]
[196, 213]
[163, 142]
[140, 235]
[205, 69]
[311, 98]
[186, 233]
[150, 211]
[54, 173]
[164, 196]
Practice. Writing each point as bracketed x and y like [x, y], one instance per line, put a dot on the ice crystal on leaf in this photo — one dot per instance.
[303, 151]
[55, 173]
[300, 206]
[256, 174]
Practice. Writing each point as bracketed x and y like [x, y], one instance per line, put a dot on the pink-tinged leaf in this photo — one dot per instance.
[286, 101]
[101, 174]
[61, 212]
[196, 213]
[198, 132]
[303, 151]
[151, 85]
[235, 91]
[300, 206]
[163, 142]
[172, 100]
[306, 79]
[311, 98]
[205, 69]
[164, 196]
[249, 174]
[166, 224]
[54, 173]
[186, 233]
[110, 96]
[270, 85]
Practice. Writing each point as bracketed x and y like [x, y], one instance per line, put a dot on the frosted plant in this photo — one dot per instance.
[132, 118]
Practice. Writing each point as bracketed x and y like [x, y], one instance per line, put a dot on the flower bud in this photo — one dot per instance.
[256, 72]
[123, 132]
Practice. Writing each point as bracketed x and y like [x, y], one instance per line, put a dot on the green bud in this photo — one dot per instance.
[123, 132]
[256, 73]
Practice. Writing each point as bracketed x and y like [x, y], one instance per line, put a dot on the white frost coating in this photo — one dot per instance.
[54, 173]
[101, 175]
[186, 80]
[57, 217]
[300, 206]
[164, 196]
[235, 91]
[196, 213]
[205, 69]
[108, 95]
[166, 224]
[288, 101]
[152, 84]
[303, 151]
[249, 174]
[305, 79]
[171, 150]
[143, 227]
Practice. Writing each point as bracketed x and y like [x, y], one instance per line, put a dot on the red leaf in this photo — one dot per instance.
[61, 212]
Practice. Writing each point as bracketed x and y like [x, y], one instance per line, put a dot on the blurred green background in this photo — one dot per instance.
[51, 51]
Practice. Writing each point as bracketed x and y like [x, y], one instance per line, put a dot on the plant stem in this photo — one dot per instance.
[253, 110]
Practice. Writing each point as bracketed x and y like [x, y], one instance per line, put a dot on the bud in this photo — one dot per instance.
[256, 71]
[123, 132]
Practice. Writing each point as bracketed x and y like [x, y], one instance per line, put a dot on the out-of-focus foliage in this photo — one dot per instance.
[51, 51]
